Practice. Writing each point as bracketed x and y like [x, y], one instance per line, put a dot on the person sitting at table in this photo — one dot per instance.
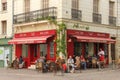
[21, 62]
[71, 64]
[77, 63]
[83, 62]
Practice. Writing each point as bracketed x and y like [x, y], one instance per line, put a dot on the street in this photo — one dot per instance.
[25, 74]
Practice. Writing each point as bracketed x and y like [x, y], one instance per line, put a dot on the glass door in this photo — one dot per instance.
[43, 50]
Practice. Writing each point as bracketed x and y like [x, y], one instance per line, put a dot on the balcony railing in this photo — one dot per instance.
[97, 18]
[76, 14]
[112, 20]
[36, 15]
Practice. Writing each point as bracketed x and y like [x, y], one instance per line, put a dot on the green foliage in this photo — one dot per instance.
[52, 20]
[87, 28]
[75, 25]
[61, 36]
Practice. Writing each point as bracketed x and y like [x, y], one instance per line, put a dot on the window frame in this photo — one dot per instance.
[4, 27]
[4, 6]
[111, 8]
[45, 4]
[95, 6]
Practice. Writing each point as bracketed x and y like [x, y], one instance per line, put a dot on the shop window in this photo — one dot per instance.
[43, 49]
[91, 49]
[96, 48]
[52, 49]
[86, 49]
[24, 50]
[77, 48]
[35, 50]
[106, 50]
[113, 49]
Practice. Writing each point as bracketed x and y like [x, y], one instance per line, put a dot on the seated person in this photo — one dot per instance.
[21, 62]
[89, 61]
[64, 66]
[83, 62]
[94, 62]
[71, 64]
[77, 63]
[15, 63]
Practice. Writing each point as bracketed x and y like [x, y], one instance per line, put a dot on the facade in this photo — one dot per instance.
[5, 31]
[89, 26]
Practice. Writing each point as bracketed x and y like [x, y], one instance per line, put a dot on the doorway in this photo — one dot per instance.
[33, 52]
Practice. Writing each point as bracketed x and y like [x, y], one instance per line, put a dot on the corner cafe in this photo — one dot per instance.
[32, 45]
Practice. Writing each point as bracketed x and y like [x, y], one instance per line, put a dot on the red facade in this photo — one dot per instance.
[33, 40]
[85, 37]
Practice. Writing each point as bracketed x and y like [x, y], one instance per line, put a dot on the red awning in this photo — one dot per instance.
[93, 39]
[29, 40]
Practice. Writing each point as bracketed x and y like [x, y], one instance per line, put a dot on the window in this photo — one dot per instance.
[4, 5]
[43, 49]
[52, 49]
[75, 12]
[112, 19]
[77, 48]
[111, 8]
[27, 5]
[4, 27]
[95, 6]
[25, 50]
[45, 4]
[96, 16]
[75, 4]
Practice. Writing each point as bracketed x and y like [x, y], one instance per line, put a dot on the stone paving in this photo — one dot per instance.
[91, 74]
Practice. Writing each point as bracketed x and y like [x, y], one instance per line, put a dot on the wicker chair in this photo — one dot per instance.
[94, 62]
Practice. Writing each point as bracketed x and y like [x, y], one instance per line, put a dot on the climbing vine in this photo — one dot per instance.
[61, 37]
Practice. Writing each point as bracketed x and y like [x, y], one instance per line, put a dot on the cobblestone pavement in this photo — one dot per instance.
[92, 74]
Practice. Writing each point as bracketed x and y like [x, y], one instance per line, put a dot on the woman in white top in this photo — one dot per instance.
[101, 52]
[71, 63]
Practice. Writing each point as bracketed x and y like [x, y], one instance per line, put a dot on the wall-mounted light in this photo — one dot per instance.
[69, 40]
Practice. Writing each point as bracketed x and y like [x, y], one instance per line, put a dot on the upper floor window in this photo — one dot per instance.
[75, 4]
[4, 27]
[76, 14]
[4, 5]
[95, 6]
[45, 4]
[111, 8]
[112, 18]
[27, 5]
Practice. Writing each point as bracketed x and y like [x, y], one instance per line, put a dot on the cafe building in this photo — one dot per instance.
[86, 30]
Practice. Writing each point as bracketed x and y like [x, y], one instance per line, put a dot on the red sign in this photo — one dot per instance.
[88, 34]
[35, 34]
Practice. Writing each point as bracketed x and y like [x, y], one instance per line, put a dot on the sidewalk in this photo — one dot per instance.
[89, 74]
[76, 71]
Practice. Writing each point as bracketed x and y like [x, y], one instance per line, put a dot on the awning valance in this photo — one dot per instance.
[93, 39]
[29, 40]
